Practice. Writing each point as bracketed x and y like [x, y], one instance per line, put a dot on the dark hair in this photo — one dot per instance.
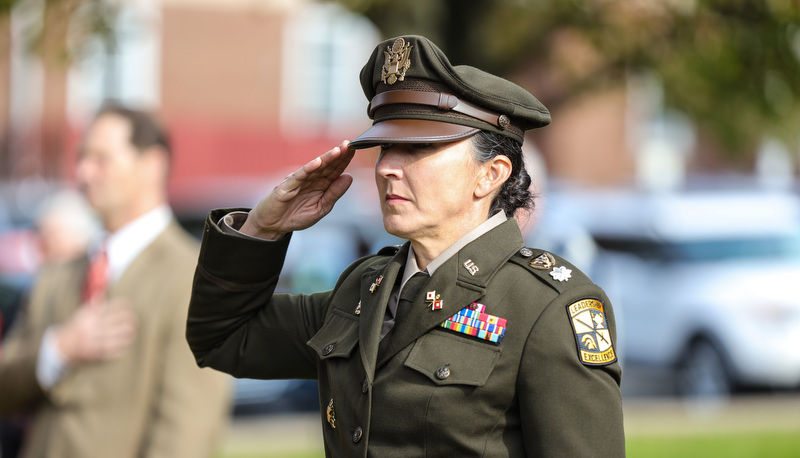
[146, 130]
[515, 193]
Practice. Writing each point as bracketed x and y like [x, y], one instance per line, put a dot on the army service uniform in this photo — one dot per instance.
[505, 351]
[548, 387]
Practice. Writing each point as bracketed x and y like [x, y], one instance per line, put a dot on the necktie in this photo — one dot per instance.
[410, 292]
[96, 276]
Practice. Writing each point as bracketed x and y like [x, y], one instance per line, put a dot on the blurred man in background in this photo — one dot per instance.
[98, 356]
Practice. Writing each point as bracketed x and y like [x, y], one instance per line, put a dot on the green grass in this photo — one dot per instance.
[732, 445]
[728, 445]
[272, 455]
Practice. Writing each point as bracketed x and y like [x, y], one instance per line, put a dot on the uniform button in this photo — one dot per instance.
[357, 434]
[327, 350]
[443, 372]
[527, 252]
[365, 386]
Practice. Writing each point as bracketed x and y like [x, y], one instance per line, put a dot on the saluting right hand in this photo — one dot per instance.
[303, 198]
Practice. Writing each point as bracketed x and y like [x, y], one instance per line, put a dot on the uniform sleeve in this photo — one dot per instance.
[236, 324]
[569, 408]
[192, 404]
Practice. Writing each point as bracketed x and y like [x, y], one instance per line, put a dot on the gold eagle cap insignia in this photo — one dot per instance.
[396, 62]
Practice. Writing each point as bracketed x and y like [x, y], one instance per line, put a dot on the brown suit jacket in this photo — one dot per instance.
[153, 402]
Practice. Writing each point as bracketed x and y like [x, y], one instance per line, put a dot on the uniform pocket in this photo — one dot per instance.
[337, 337]
[451, 359]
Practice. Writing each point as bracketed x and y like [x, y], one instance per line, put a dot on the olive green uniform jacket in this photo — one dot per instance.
[432, 392]
[152, 402]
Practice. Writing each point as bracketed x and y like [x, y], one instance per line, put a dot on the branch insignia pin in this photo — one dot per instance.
[434, 300]
[375, 284]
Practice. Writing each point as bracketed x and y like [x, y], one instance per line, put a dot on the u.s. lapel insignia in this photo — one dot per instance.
[434, 300]
[471, 267]
[591, 332]
[358, 308]
[331, 415]
[375, 284]
[544, 261]
[397, 62]
[561, 273]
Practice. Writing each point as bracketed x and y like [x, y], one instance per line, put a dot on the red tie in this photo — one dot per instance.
[96, 277]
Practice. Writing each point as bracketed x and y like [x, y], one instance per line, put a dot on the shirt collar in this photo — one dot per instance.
[124, 245]
[411, 261]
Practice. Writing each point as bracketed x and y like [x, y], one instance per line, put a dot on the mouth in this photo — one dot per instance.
[391, 199]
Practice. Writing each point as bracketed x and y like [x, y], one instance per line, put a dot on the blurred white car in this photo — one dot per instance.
[707, 283]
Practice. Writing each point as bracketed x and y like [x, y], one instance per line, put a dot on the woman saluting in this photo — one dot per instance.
[463, 342]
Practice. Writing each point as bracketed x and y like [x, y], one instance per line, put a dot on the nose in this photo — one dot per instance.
[390, 162]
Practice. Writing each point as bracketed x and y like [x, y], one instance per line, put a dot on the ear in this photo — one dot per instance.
[156, 159]
[495, 172]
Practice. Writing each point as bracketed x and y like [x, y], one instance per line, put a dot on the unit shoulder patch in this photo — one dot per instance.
[592, 336]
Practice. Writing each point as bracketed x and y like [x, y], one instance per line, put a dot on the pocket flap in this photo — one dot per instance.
[337, 337]
[450, 359]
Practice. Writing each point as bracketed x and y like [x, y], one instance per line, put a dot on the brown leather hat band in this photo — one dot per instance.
[440, 100]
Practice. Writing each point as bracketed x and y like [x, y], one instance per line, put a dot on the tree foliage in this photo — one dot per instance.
[732, 66]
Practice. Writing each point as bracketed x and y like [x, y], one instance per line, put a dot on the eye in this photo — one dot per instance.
[385, 146]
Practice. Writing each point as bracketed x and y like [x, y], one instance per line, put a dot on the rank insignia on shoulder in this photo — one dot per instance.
[592, 335]
[561, 273]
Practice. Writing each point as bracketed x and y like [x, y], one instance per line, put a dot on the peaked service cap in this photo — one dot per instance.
[417, 96]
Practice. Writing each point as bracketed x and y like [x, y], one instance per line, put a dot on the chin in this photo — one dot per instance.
[394, 226]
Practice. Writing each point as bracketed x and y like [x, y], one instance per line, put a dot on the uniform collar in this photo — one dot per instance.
[459, 281]
[411, 260]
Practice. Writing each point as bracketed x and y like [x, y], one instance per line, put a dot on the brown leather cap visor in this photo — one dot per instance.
[412, 131]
